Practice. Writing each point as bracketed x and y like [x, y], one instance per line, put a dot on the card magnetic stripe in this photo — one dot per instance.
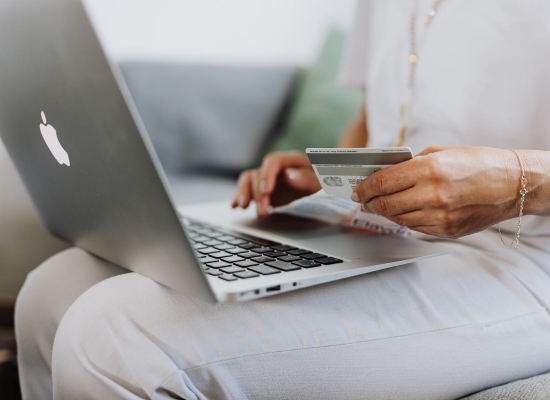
[359, 158]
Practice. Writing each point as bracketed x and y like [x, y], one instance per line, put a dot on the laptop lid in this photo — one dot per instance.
[73, 133]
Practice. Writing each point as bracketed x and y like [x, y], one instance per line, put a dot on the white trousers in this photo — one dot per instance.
[438, 329]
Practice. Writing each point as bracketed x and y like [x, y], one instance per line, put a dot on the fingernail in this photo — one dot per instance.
[292, 174]
[263, 187]
[355, 197]
[241, 200]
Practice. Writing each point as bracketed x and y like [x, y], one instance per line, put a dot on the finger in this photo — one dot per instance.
[302, 179]
[261, 200]
[243, 196]
[395, 204]
[390, 180]
[274, 163]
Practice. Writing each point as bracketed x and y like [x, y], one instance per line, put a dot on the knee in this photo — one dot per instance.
[102, 338]
[48, 292]
[40, 304]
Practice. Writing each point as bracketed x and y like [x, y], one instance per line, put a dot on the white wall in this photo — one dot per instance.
[224, 31]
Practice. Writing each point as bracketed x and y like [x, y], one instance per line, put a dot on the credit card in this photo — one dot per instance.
[340, 170]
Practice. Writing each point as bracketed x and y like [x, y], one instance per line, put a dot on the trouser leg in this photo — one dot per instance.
[438, 329]
[48, 292]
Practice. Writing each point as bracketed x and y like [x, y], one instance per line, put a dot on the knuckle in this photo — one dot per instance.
[379, 182]
[244, 176]
[269, 158]
[439, 198]
[382, 205]
[399, 220]
[433, 167]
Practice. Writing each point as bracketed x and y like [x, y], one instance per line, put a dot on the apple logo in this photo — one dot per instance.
[50, 137]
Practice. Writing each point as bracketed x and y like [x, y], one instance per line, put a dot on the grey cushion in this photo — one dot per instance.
[535, 388]
[201, 116]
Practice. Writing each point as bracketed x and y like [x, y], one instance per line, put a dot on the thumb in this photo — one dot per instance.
[302, 179]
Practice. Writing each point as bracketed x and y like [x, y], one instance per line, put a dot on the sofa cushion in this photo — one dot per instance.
[535, 388]
[322, 109]
[207, 116]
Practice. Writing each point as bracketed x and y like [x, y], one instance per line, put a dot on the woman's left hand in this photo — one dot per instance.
[446, 191]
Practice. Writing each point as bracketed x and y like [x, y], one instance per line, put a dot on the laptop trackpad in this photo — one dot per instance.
[335, 240]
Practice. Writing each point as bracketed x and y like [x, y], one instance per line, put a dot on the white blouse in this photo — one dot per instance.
[482, 77]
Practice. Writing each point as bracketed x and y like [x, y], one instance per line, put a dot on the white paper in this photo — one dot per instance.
[340, 210]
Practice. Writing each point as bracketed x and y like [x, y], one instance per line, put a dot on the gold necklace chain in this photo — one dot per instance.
[413, 60]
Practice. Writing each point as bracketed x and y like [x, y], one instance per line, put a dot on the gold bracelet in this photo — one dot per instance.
[523, 191]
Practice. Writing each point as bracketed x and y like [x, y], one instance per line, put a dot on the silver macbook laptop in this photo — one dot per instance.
[73, 132]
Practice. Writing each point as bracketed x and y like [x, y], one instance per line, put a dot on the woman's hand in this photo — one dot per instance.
[282, 178]
[446, 191]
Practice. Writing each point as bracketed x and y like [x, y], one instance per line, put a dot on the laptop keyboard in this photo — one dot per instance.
[232, 255]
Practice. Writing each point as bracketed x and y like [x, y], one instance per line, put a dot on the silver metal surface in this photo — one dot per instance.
[111, 200]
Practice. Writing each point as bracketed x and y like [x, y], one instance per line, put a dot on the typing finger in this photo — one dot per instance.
[274, 163]
[244, 188]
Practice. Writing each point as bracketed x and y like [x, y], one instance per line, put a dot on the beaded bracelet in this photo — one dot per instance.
[523, 191]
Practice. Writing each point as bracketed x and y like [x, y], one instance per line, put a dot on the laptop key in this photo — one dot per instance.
[236, 250]
[298, 252]
[289, 258]
[313, 256]
[261, 250]
[264, 270]
[283, 266]
[207, 259]
[219, 254]
[226, 238]
[246, 274]
[246, 263]
[199, 246]
[248, 255]
[231, 270]
[204, 231]
[212, 243]
[329, 260]
[214, 234]
[229, 278]
[262, 259]
[208, 250]
[214, 272]
[275, 254]
[248, 246]
[283, 247]
[232, 259]
[307, 263]
[219, 264]
[224, 246]
[200, 239]
[237, 242]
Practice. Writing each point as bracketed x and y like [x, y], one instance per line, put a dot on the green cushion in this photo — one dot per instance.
[322, 109]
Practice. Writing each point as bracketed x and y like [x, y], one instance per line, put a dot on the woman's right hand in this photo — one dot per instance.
[282, 178]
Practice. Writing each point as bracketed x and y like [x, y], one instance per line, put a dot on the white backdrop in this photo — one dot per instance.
[219, 31]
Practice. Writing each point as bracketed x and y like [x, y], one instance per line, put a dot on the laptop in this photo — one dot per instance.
[74, 134]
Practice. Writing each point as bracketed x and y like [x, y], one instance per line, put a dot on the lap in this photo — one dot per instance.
[440, 328]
